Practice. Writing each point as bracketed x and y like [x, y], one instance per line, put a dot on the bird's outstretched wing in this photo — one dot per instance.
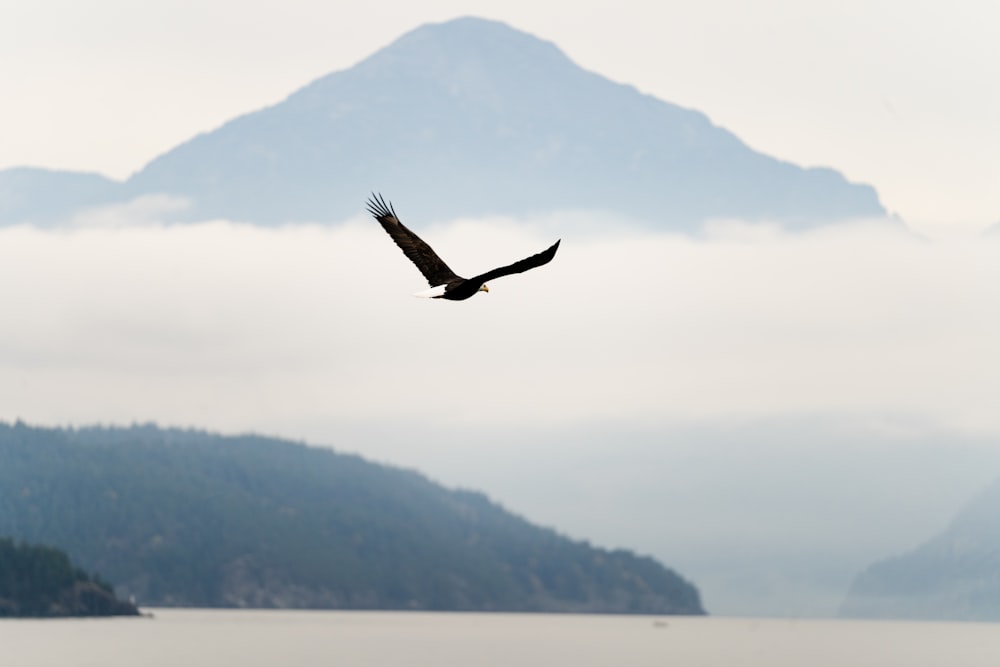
[532, 262]
[434, 269]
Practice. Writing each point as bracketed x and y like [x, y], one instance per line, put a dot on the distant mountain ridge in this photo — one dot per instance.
[463, 118]
[185, 518]
[954, 576]
[45, 196]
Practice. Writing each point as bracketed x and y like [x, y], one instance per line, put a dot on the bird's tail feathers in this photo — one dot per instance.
[432, 292]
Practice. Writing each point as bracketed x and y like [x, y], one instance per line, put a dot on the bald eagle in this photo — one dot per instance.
[445, 284]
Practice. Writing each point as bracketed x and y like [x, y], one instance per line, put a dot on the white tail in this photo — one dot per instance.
[432, 292]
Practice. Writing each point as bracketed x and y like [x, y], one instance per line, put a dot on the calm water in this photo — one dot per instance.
[196, 638]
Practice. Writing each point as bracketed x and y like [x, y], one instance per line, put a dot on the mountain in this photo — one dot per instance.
[44, 196]
[472, 117]
[40, 581]
[184, 518]
[954, 576]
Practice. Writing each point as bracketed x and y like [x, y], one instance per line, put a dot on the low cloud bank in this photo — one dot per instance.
[235, 327]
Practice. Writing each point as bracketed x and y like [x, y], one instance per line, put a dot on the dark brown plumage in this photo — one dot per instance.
[437, 273]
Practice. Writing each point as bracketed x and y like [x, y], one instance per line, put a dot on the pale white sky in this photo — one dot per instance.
[900, 94]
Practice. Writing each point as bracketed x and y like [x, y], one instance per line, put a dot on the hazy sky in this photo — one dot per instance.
[901, 94]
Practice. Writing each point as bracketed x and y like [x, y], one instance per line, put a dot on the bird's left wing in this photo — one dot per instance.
[525, 264]
[422, 255]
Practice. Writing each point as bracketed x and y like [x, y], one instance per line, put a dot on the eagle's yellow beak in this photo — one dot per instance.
[484, 288]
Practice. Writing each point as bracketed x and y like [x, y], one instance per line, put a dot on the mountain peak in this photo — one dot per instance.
[473, 117]
[470, 62]
[470, 39]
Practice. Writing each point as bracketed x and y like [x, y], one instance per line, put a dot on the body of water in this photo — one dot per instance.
[214, 638]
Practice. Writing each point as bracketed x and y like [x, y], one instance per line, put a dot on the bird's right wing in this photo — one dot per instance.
[434, 269]
[525, 264]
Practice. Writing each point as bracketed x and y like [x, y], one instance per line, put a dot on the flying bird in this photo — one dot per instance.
[445, 284]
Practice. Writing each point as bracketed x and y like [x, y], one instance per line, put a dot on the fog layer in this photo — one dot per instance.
[610, 393]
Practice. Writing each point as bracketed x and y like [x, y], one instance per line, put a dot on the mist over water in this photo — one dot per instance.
[608, 394]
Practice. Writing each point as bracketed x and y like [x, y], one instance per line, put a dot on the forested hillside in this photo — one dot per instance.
[41, 581]
[194, 519]
[953, 576]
